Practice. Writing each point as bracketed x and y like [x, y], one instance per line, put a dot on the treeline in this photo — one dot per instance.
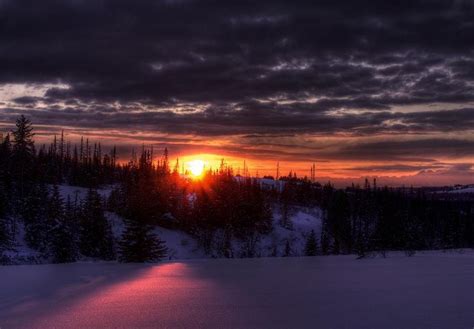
[216, 210]
[372, 220]
[60, 162]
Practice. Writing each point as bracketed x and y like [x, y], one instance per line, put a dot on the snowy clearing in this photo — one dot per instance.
[80, 192]
[429, 290]
[463, 190]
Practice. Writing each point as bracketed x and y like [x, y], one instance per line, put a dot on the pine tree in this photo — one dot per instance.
[96, 239]
[5, 236]
[311, 246]
[62, 241]
[23, 152]
[63, 247]
[288, 251]
[5, 241]
[4, 204]
[5, 155]
[361, 242]
[139, 244]
[23, 144]
[35, 218]
[325, 235]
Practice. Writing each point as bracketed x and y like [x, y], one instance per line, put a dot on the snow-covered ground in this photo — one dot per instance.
[80, 192]
[458, 189]
[304, 220]
[463, 190]
[183, 246]
[430, 290]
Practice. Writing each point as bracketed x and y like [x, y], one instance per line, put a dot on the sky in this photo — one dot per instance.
[359, 88]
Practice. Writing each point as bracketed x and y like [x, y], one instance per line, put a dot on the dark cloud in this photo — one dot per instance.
[221, 52]
[453, 148]
[252, 119]
[26, 100]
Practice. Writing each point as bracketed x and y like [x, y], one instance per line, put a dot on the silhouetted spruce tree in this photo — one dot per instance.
[4, 202]
[5, 235]
[311, 246]
[288, 251]
[139, 244]
[361, 240]
[5, 241]
[325, 235]
[286, 199]
[96, 239]
[340, 224]
[23, 153]
[203, 219]
[5, 163]
[72, 212]
[224, 246]
[469, 228]
[35, 217]
[62, 240]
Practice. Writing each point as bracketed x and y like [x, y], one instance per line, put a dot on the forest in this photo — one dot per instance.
[149, 191]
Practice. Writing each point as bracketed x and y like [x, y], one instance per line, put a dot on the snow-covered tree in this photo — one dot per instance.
[288, 250]
[35, 217]
[139, 244]
[62, 241]
[96, 239]
[311, 246]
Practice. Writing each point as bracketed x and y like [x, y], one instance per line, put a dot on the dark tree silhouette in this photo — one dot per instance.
[35, 218]
[62, 235]
[311, 245]
[23, 152]
[139, 244]
[96, 238]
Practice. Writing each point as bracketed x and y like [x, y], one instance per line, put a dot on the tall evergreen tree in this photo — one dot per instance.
[35, 217]
[62, 240]
[4, 202]
[325, 235]
[286, 200]
[5, 156]
[23, 144]
[288, 250]
[96, 239]
[311, 246]
[5, 235]
[23, 152]
[140, 244]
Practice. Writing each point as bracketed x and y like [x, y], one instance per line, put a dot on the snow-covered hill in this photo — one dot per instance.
[458, 189]
[183, 246]
[463, 190]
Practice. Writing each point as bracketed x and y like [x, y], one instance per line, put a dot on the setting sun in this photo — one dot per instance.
[196, 167]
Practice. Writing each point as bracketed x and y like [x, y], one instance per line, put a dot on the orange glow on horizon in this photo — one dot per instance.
[249, 161]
